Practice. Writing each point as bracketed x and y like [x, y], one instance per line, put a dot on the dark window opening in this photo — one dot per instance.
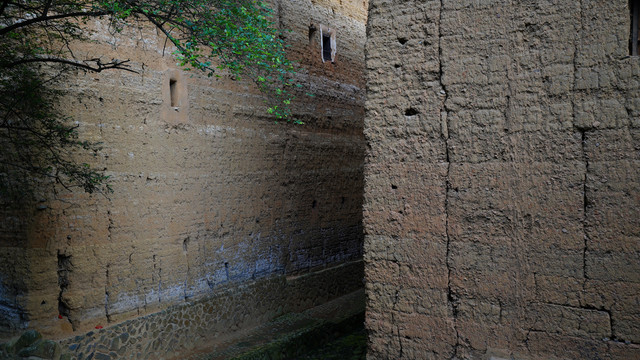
[634, 9]
[173, 89]
[326, 47]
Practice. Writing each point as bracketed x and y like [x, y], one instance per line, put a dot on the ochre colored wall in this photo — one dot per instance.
[502, 180]
[210, 197]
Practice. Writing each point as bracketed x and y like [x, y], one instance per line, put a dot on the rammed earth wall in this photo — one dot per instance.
[211, 196]
[502, 180]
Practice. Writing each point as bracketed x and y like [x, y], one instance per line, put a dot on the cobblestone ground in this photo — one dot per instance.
[349, 347]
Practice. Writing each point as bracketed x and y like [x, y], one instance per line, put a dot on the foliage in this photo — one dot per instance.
[37, 141]
[239, 33]
[36, 38]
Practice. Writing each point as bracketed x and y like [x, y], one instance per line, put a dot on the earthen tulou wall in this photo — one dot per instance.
[221, 218]
[502, 180]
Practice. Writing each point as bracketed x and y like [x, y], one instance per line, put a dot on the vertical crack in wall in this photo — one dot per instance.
[281, 25]
[452, 298]
[185, 249]
[159, 269]
[583, 141]
[106, 295]
[396, 327]
[64, 268]
[585, 205]
[110, 226]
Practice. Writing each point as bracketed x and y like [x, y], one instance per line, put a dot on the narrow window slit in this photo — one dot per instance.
[326, 47]
[327, 43]
[173, 89]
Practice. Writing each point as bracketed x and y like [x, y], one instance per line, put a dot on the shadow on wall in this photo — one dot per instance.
[209, 193]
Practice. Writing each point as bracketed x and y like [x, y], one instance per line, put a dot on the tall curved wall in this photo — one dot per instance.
[502, 180]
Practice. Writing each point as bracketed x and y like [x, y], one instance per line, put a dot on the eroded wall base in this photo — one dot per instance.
[175, 331]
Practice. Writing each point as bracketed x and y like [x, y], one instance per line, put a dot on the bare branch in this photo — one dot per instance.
[39, 19]
[114, 64]
[160, 27]
[65, 42]
[175, 42]
[45, 11]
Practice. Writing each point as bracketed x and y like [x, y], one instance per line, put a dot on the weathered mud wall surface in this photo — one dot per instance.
[211, 196]
[502, 180]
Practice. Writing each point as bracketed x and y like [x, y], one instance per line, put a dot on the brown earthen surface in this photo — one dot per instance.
[211, 195]
[502, 180]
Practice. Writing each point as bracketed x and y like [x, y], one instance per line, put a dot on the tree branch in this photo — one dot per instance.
[176, 43]
[114, 64]
[38, 19]
[45, 11]
[163, 30]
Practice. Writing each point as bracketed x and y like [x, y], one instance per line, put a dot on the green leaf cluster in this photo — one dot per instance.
[238, 36]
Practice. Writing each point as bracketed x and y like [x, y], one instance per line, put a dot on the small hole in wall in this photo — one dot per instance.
[397, 66]
[411, 112]
[394, 187]
[173, 89]
[313, 205]
[402, 40]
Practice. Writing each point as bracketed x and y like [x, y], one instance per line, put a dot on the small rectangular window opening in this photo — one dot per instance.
[326, 47]
[173, 89]
[634, 9]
